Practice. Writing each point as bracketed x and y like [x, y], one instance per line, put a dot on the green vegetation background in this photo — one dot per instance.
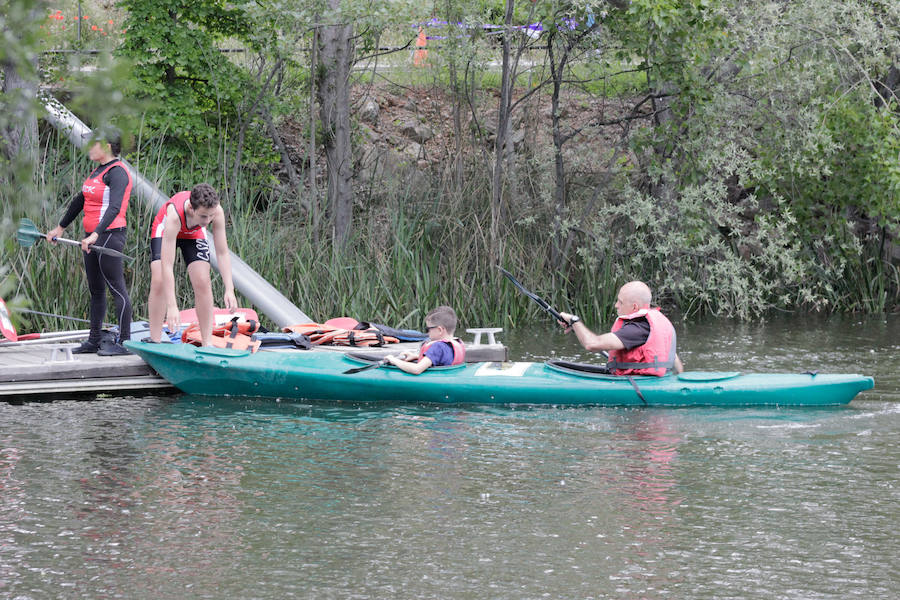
[745, 156]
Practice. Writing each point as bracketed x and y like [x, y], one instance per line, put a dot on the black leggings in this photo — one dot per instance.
[105, 271]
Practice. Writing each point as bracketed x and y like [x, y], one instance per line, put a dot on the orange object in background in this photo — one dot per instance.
[421, 53]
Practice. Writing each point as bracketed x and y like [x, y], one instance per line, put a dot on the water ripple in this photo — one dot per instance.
[216, 498]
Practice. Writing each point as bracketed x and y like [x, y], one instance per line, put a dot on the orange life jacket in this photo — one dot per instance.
[317, 333]
[320, 334]
[361, 337]
[654, 356]
[459, 349]
[233, 334]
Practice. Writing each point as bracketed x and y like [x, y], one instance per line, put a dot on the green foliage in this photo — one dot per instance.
[21, 41]
[199, 98]
[862, 172]
[779, 162]
[782, 177]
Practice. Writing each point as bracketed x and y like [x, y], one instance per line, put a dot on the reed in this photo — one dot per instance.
[412, 252]
[870, 284]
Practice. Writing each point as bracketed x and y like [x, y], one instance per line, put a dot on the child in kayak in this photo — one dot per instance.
[181, 223]
[440, 350]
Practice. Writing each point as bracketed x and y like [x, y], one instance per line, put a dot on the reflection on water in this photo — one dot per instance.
[215, 498]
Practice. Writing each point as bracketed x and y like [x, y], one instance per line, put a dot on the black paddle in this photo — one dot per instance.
[540, 301]
[373, 365]
[45, 314]
[28, 234]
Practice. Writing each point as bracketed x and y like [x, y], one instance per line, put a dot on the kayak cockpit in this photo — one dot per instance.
[592, 371]
[601, 372]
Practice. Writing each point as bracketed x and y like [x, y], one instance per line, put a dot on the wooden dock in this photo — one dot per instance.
[47, 370]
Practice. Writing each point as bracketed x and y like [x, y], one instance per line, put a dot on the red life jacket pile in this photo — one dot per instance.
[238, 334]
[235, 334]
[320, 334]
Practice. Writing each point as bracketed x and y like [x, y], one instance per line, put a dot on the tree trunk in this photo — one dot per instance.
[496, 249]
[663, 117]
[313, 187]
[457, 131]
[335, 58]
[453, 16]
[888, 88]
[20, 141]
[559, 188]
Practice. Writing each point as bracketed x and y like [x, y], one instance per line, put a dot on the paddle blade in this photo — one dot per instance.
[94, 248]
[28, 233]
[373, 365]
[110, 252]
[6, 326]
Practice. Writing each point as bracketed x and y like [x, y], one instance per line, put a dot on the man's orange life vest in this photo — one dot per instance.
[654, 356]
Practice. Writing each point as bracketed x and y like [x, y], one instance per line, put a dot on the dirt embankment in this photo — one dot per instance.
[415, 128]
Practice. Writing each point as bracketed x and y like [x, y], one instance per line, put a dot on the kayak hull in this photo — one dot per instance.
[319, 375]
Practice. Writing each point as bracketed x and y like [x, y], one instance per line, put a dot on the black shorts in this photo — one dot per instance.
[191, 250]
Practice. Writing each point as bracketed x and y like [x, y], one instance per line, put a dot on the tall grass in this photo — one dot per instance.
[870, 285]
[413, 248]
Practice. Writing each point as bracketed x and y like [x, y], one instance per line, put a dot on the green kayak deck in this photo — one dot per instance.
[319, 375]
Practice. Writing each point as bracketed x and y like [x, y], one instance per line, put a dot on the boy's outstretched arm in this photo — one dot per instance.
[413, 368]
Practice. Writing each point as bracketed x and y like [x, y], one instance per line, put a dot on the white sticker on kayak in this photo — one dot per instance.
[503, 369]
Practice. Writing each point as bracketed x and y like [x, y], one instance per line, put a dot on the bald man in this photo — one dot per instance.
[642, 340]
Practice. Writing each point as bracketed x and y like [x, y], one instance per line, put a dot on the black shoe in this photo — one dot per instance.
[113, 349]
[86, 347]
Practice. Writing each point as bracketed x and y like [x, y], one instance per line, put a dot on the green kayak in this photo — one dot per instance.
[319, 375]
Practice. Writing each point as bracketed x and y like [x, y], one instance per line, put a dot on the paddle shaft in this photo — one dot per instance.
[43, 314]
[540, 301]
[373, 365]
[99, 249]
[73, 336]
[28, 234]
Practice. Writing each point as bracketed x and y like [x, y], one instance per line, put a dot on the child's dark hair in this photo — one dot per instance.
[204, 196]
[443, 316]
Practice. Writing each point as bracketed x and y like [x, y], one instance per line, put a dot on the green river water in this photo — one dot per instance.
[197, 497]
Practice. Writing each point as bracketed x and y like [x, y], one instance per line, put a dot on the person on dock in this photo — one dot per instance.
[104, 199]
[642, 340]
[181, 223]
[441, 349]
